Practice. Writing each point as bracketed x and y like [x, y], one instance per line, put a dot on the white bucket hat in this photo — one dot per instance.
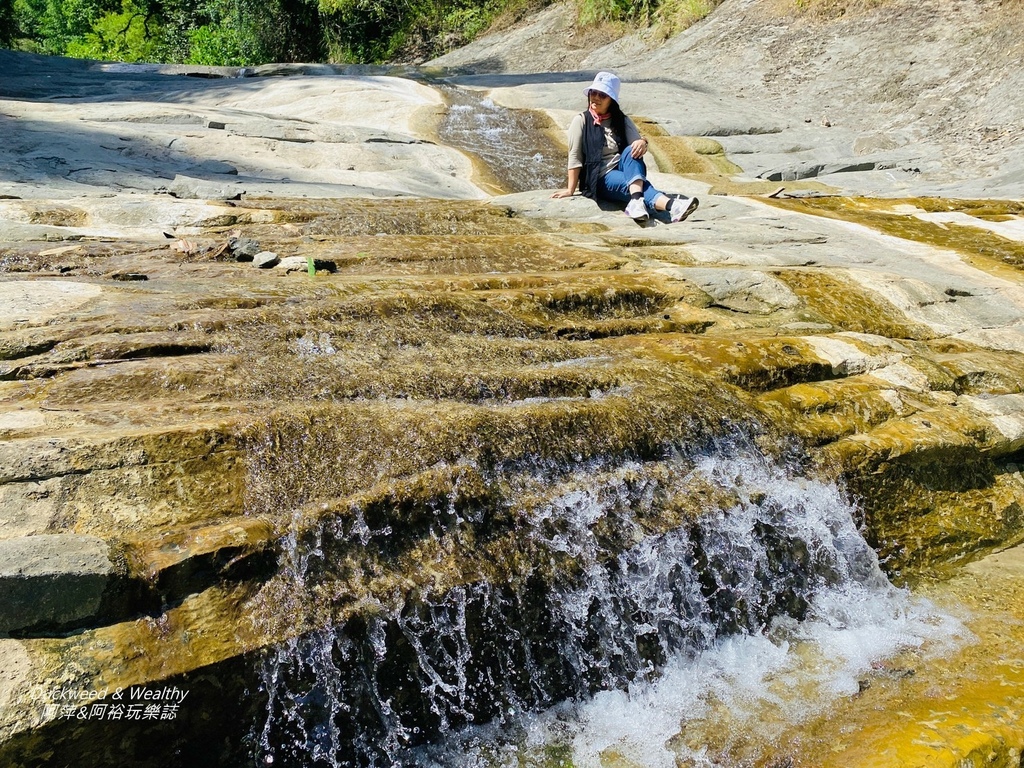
[606, 83]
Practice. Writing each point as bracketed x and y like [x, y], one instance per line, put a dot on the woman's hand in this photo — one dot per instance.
[563, 193]
[638, 148]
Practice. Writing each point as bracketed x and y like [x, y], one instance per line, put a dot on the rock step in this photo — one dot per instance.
[53, 582]
[953, 482]
[499, 578]
[163, 476]
[177, 563]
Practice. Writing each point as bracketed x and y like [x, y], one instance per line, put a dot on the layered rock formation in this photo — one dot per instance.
[228, 458]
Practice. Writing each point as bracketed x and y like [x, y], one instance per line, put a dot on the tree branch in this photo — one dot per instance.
[128, 26]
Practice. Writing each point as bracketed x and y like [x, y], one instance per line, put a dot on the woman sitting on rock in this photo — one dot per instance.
[606, 157]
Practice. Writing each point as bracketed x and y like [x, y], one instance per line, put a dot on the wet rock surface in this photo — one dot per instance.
[156, 413]
[375, 441]
[963, 707]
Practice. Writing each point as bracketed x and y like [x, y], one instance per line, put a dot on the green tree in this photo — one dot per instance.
[49, 25]
[241, 32]
[132, 34]
[8, 27]
[284, 30]
[230, 32]
[366, 30]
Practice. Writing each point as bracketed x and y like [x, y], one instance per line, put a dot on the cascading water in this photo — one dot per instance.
[509, 141]
[623, 633]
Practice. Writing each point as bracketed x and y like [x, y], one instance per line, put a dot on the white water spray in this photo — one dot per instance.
[751, 617]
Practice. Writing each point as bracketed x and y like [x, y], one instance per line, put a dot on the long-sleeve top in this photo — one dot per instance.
[610, 152]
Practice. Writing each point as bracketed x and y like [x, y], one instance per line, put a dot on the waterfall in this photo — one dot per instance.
[757, 612]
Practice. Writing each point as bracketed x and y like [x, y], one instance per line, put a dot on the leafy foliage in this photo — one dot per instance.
[597, 11]
[245, 32]
[130, 34]
[382, 30]
[53, 24]
[668, 17]
[439, 26]
[366, 30]
[218, 45]
[7, 24]
[228, 32]
[673, 16]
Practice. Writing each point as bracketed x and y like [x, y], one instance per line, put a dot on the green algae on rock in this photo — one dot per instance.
[901, 218]
[410, 416]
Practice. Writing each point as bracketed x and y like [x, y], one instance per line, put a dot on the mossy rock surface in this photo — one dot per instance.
[391, 413]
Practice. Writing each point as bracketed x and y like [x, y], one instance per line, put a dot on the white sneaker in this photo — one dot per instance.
[682, 207]
[637, 211]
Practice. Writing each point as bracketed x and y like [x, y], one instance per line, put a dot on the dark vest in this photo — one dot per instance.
[593, 147]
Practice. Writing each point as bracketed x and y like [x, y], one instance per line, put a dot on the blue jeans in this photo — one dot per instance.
[614, 185]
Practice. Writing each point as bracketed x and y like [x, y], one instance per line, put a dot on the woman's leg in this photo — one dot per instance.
[631, 177]
[620, 183]
[614, 186]
[635, 171]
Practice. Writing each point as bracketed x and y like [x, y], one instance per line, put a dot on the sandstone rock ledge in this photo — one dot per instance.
[205, 424]
[186, 420]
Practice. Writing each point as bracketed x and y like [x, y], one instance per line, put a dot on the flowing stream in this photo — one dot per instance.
[752, 617]
[510, 142]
